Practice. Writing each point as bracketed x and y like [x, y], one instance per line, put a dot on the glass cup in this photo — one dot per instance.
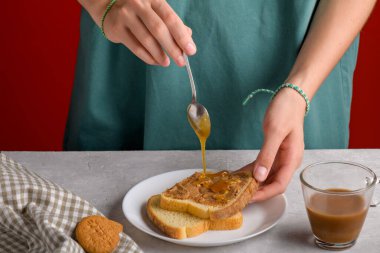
[337, 197]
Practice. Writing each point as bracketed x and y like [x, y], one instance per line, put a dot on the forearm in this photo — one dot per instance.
[335, 25]
[95, 8]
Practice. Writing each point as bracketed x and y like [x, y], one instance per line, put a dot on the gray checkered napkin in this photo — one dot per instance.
[39, 216]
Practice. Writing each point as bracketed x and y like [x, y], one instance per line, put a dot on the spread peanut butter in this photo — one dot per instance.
[210, 188]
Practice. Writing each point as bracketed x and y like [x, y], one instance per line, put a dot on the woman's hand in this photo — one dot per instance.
[149, 28]
[283, 146]
[335, 25]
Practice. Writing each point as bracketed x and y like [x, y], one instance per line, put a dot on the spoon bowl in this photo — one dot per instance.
[197, 114]
[199, 119]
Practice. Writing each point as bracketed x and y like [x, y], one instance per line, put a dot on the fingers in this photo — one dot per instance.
[148, 41]
[276, 187]
[189, 30]
[151, 30]
[176, 27]
[130, 41]
[264, 160]
[161, 33]
[117, 31]
[288, 159]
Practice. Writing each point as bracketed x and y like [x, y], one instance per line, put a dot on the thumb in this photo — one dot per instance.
[265, 158]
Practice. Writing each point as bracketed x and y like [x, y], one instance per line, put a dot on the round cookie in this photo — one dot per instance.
[97, 234]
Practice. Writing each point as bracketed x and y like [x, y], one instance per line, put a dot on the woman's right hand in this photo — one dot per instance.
[149, 28]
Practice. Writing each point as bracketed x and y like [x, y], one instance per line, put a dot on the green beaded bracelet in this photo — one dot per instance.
[299, 90]
[274, 93]
[109, 6]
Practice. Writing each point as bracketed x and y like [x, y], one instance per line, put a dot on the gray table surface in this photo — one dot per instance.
[103, 178]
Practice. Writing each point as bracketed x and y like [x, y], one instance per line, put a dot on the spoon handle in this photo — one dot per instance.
[194, 92]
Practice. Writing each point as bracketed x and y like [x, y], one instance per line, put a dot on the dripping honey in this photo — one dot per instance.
[202, 130]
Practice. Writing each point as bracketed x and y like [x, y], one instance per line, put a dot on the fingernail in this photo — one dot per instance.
[190, 48]
[181, 60]
[260, 173]
[166, 62]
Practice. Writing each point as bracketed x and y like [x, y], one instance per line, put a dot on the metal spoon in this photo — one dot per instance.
[197, 114]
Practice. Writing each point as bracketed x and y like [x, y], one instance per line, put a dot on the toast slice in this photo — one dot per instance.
[211, 196]
[180, 225]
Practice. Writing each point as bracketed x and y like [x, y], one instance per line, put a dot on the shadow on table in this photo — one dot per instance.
[299, 236]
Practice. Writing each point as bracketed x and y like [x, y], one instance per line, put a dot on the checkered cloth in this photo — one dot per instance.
[39, 216]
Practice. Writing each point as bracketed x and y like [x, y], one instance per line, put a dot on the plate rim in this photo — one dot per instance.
[192, 243]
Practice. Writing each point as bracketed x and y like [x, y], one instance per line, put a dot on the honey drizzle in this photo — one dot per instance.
[202, 130]
[203, 148]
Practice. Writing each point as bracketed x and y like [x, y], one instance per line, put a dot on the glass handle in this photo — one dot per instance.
[375, 202]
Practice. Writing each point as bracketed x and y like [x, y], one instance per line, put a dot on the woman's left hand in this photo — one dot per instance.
[335, 25]
[283, 146]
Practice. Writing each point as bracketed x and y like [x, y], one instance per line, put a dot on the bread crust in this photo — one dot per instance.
[171, 231]
[201, 226]
[237, 205]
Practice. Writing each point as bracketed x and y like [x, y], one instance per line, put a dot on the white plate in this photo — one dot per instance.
[258, 217]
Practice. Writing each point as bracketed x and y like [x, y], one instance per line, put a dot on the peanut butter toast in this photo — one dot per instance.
[211, 196]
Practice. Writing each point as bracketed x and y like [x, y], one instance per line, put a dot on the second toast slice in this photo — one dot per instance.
[181, 225]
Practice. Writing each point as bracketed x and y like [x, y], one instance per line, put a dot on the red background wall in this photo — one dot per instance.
[37, 59]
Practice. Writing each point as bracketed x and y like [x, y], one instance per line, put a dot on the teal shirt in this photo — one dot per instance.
[120, 103]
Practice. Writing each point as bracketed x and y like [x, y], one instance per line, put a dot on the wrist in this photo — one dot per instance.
[95, 9]
[306, 81]
[287, 109]
[301, 95]
[296, 95]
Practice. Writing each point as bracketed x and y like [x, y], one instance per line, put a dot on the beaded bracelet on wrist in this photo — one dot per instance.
[108, 8]
[274, 93]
